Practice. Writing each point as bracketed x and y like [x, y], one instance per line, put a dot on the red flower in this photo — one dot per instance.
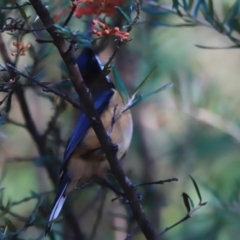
[106, 30]
[97, 7]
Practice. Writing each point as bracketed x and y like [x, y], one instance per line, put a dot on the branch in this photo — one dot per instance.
[43, 85]
[188, 215]
[86, 100]
[195, 20]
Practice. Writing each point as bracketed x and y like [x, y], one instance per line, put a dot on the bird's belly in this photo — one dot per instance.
[88, 160]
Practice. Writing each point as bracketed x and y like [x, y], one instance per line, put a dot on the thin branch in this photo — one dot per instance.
[11, 121]
[74, 6]
[157, 182]
[52, 122]
[188, 215]
[43, 85]
[16, 28]
[132, 233]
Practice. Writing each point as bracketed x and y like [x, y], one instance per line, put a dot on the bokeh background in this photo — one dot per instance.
[190, 129]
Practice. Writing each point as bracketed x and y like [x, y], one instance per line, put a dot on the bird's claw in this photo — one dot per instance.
[124, 200]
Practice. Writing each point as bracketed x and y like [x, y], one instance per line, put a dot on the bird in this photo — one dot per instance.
[83, 159]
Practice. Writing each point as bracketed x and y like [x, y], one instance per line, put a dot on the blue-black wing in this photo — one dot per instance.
[101, 102]
[89, 63]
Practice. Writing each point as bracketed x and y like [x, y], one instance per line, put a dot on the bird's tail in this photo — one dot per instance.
[57, 206]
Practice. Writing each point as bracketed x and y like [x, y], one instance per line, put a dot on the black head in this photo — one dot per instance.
[92, 71]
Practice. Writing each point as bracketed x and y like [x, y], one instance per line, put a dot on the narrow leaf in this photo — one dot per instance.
[186, 201]
[144, 81]
[22, 12]
[156, 23]
[185, 5]
[125, 16]
[197, 7]
[216, 48]
[2, 18]
[138, 99]
[165, 87]
[211, 8]
[10, 224]
[8, 103]
[197, 189]
[120, 84]
[190, 4]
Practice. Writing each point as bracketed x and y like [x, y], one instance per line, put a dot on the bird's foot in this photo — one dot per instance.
[124, 199]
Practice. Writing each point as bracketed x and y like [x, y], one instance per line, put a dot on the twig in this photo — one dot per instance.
[8, 120]
[4, 99]
[52, 122]
[15, 28]
[113, 121]
[188, 215]
[157, 182]
[74, 6]
[130, 235]
[45, 88]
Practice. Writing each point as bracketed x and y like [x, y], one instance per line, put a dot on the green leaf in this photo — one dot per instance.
[190, 4]
[5, 208]
[197, 7]
[211, 7]
[9, 224]
[176, 6]
[2, 18]
[197, 189]
[22, 12]
[155, 11]
[135, 101]
[216, 48]
[144, 81]
[8, 103]
[120, 84]
[232, 18]
[185, 5]
[186, 201]
[190, 24]
[125, 16]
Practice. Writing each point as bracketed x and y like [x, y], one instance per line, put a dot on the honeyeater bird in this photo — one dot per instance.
[83, 158]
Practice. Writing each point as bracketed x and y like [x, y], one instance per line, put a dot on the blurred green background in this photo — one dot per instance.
[190, 129]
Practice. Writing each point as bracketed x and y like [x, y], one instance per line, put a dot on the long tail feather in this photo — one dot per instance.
[57, 207]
